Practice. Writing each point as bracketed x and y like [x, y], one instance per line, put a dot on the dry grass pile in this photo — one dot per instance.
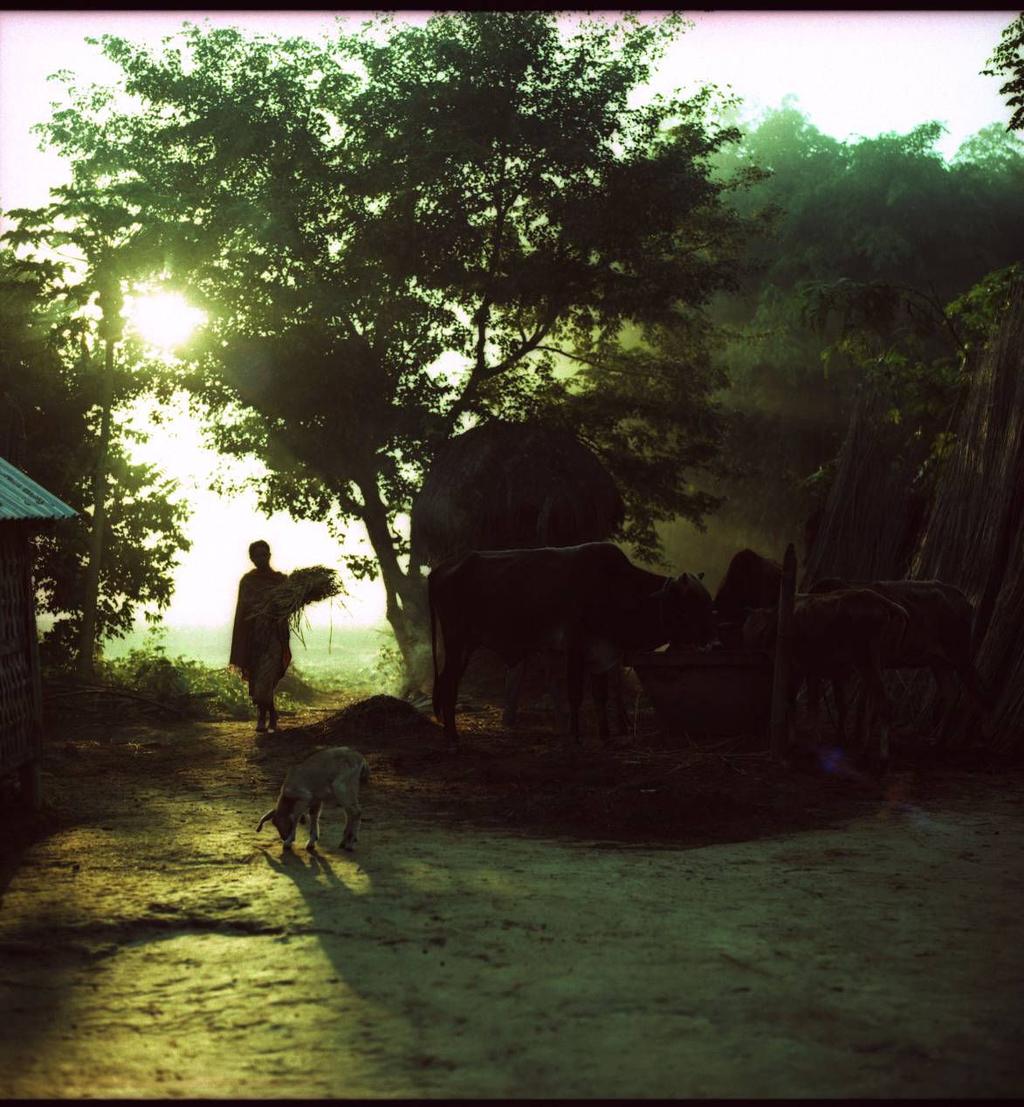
[367, 720]
[874, 511]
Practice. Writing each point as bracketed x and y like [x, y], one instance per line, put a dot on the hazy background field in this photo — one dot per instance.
[349, 656]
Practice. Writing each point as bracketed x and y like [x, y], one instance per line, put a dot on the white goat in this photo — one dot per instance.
[330, 774]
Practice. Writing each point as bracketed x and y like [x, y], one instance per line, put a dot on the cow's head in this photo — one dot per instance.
[751, 580]
[687, 612]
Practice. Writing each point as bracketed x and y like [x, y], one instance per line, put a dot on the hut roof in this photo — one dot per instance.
[513, 486]
[21, 498]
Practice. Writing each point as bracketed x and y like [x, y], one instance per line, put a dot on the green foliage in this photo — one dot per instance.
[904, 339]
[979, 311]
[191, 687]
[913, 350]
[50, 376]
[868, 242]
[1008, 61]
[389, 668]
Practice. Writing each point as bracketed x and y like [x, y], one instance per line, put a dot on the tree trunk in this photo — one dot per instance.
[87, 639]
[405, 593]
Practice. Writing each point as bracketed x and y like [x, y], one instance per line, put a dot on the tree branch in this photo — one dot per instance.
[488, 372]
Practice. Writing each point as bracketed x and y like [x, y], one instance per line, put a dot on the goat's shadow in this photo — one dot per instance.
[374, 948]
[311, 872]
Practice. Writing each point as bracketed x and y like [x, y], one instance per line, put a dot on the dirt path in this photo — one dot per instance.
[153, 945]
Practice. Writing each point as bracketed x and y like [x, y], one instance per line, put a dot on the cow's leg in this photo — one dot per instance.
[947, 688]
[574, 681]
[861, 720]
[513, 688]
[980, 692]
[553, 670]
[448, 685]
[450, 695]
[815, 688]
[599, 690]
[945, 699]
[839, 694]
[876, 703]
[442, 699]
[617, 687]
[261, 719]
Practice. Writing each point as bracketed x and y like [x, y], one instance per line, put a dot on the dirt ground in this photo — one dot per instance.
[517, 921]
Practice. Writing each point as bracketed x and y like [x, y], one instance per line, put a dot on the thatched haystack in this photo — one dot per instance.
[974, 537]
[512, 486]
[875, 508]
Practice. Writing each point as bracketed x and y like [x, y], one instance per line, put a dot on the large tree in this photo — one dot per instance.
[408, 230]
[51, 381]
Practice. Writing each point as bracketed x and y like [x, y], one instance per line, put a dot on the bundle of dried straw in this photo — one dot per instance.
[296, 591]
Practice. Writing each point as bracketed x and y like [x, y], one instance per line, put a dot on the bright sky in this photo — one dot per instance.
[854, 73]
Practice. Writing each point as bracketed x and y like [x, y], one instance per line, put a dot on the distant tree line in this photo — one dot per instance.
[865, 274]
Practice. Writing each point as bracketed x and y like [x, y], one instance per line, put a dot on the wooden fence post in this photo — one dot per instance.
[31, 776]
[783, 652]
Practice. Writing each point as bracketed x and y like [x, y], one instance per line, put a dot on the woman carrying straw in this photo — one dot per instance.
[260, 644]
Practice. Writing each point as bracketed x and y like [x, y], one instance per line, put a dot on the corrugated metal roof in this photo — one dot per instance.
[22, 498]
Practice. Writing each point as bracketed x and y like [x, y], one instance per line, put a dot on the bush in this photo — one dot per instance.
[197, 689]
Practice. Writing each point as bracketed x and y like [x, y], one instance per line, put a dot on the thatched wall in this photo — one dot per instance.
[512, 486]
[871, 519]
[974, 537]
[19, 737]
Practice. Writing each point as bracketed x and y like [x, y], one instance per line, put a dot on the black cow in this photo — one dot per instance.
[750, 582]
[834, 633]
[589, 601]
[938, 635]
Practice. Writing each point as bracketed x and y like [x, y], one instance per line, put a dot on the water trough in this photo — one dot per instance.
[718, 693]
